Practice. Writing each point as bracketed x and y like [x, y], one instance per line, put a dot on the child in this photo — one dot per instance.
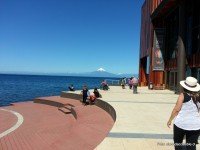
[92, 99]
[94, 96]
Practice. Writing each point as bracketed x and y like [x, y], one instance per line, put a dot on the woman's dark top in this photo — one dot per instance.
[97, 94]
[188, 117]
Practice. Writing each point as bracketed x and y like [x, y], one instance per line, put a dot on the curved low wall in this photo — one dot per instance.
[100, 103]
[107, 107]
[71, 95]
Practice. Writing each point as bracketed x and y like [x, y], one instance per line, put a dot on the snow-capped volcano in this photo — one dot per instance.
[101, 70]
[101, 73]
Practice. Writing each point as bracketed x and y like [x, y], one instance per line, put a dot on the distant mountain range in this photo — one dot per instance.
[106, 74]
[99, 73]
[102, 73]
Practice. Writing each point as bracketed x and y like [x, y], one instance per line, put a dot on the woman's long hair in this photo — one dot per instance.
[195, 97]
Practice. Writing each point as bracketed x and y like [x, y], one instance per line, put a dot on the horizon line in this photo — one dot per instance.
[59, 75]
[49, 73]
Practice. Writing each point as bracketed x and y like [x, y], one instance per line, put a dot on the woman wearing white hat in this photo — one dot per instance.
[187, 116]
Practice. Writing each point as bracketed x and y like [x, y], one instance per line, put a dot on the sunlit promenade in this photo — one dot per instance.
[58, 122]
[141, 119]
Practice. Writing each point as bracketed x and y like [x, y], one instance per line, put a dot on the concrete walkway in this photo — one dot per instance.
[141, 119]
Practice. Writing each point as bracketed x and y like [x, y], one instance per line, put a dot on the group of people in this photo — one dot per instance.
[132, 83]
[89, 98]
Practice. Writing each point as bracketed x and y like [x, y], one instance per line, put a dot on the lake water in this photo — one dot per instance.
[16, 88]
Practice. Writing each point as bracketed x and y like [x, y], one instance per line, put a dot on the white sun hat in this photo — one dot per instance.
[190, 84]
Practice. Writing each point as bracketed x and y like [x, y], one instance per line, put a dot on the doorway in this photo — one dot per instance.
[173, 80]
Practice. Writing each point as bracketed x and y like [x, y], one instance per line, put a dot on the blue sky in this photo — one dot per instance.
[59, 36]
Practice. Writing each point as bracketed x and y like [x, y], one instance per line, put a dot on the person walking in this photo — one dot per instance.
[187, 115]
[135, 84]
[123, 83]
[130, 83]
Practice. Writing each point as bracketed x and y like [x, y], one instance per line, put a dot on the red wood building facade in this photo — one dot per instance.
[169, 42]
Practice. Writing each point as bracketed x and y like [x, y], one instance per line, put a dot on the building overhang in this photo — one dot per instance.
[163, 8]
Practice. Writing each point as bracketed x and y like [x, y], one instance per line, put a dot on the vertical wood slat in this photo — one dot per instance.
[146, 27]
[146, 44]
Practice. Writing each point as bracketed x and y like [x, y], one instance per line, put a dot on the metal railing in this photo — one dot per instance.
[111, 82]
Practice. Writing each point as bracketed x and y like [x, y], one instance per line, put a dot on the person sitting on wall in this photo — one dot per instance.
[96, 93]
[71, 88]
[104, 85]
[92, 98]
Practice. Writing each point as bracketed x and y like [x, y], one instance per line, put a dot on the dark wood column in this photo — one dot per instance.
[181, 45]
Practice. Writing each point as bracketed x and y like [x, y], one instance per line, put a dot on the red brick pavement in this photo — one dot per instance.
[47, 128]
[7, 120]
